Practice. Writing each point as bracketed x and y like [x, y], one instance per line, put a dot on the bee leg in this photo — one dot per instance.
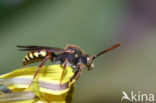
[64, 68]
[39, 67]
[79, 74]
[75, 74]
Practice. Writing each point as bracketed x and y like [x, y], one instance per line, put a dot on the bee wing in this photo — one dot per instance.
[39, 48]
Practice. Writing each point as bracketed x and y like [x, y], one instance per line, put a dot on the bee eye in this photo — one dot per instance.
[88, 59]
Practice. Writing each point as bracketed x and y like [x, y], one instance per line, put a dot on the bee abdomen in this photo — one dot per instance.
[33, 57]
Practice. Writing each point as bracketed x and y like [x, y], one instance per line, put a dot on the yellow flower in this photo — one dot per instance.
[45, 88]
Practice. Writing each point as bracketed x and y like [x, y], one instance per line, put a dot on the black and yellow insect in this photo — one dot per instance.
[72, 55]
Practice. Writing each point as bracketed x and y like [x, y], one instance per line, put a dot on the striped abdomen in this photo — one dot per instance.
[33, 57]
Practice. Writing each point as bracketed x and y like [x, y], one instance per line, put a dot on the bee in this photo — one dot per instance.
[71, 55]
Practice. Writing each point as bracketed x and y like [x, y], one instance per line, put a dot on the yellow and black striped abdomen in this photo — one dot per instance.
[33, 57]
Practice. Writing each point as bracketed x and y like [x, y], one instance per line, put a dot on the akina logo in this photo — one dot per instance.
[137, 97]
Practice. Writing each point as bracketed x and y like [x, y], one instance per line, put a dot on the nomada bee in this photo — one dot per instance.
[72, 55]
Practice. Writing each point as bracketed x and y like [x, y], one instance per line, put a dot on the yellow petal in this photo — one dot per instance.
[46, 86]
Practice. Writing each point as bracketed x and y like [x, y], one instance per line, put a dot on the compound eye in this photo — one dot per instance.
[88, 60]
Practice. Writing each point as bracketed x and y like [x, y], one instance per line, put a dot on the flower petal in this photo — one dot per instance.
[46, 86]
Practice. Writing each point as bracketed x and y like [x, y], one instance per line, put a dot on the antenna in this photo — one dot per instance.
[107, 50]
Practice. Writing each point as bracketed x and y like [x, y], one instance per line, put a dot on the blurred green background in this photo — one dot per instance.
[94, 25]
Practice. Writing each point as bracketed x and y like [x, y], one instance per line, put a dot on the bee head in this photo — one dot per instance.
[89, 62]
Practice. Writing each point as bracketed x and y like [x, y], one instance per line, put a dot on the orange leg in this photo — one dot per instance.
[64, 68]
[79, 72]
[39, 67]
[75, 74]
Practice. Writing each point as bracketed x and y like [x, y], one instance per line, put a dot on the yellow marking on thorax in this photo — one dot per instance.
[26, 57]
[31, 55]
[43, 53]
[36, 54]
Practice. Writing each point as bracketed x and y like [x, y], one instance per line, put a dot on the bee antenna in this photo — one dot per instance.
[107, 50]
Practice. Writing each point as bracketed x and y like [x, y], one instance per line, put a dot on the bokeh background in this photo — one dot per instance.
[94, 25]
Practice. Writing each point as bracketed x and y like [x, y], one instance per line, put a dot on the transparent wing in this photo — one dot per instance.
[39, 48]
